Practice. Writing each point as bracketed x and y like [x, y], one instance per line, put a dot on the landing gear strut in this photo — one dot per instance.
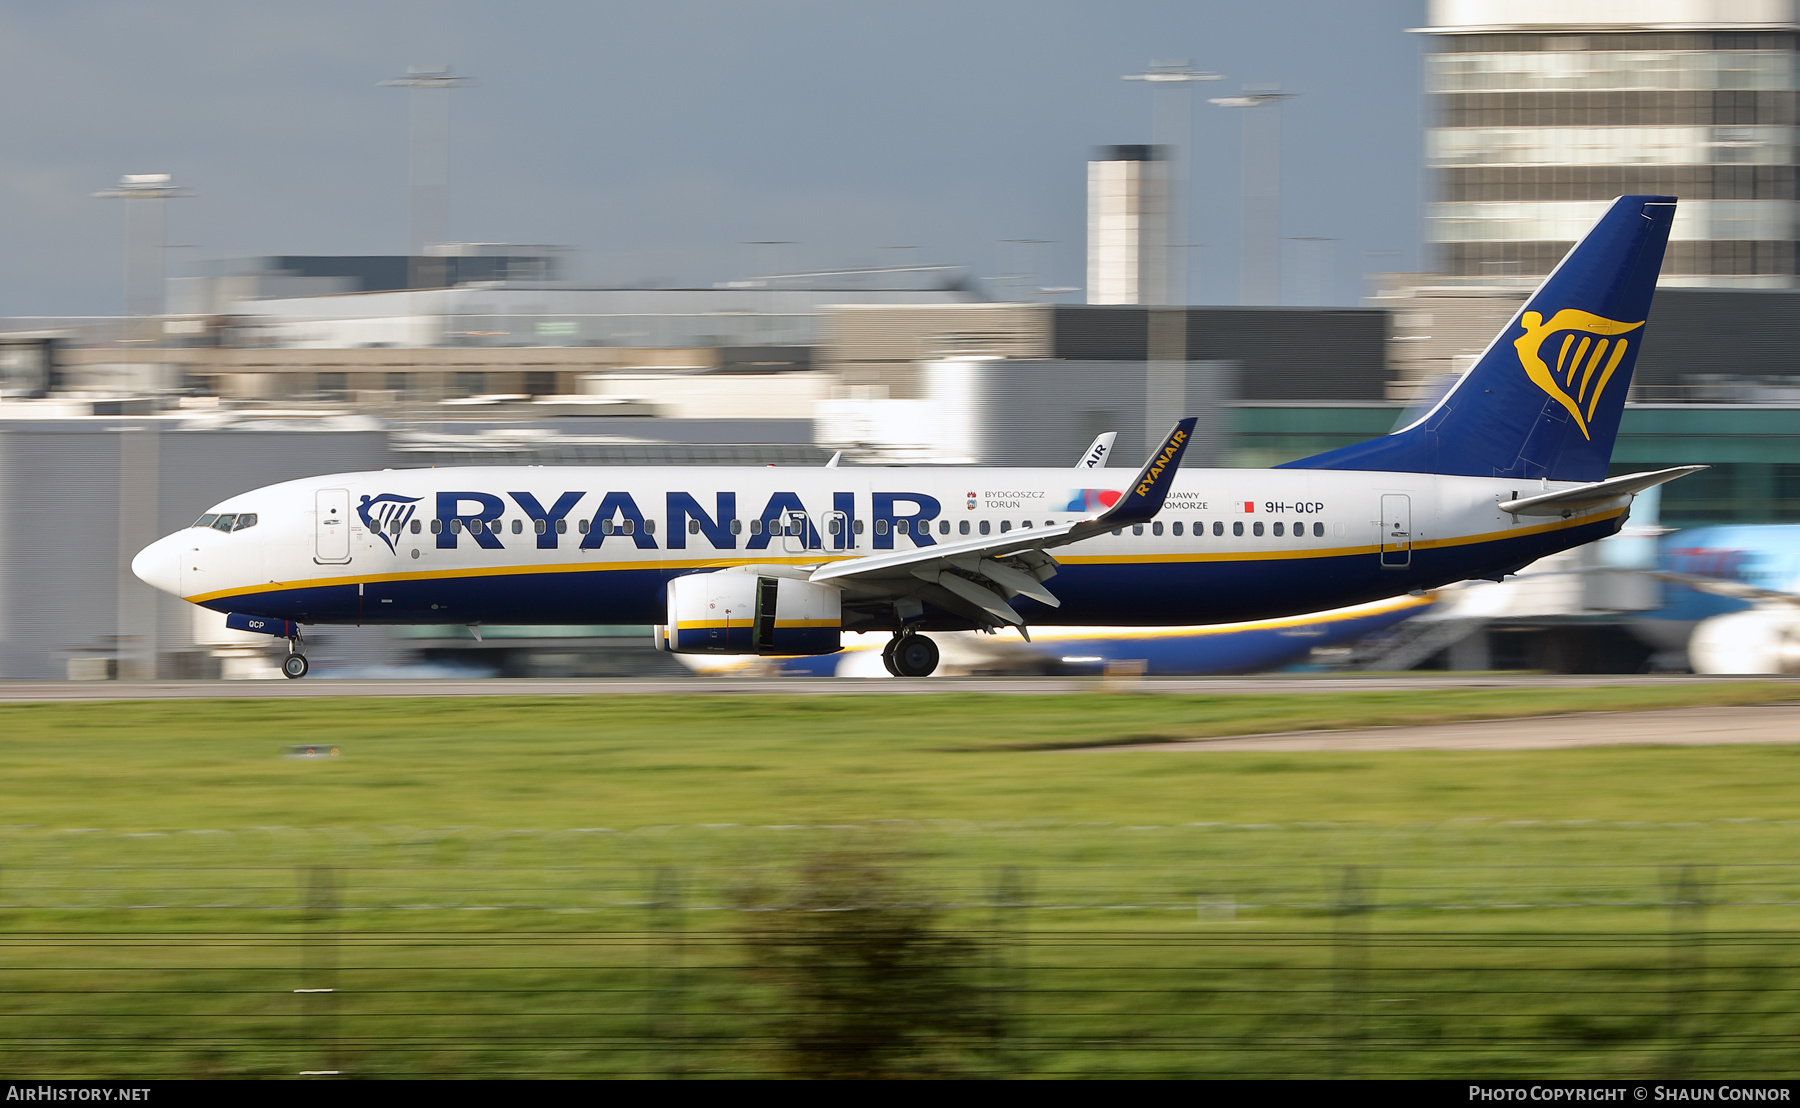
[910, 655]
[295, 664]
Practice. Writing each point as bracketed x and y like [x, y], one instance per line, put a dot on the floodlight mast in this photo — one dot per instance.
[144, 240]
[1166, 339]
[429, 166]
[1260, 265]
[1170, 130]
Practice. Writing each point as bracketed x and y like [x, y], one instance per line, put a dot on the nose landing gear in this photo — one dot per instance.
[295, 664]
[909, 654]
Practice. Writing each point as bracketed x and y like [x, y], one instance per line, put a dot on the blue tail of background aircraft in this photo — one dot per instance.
[1544, 399]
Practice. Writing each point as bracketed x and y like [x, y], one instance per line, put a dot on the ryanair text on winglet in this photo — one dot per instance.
[1175, 441]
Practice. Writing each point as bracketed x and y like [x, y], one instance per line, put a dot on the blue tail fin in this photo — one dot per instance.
[1544, 398]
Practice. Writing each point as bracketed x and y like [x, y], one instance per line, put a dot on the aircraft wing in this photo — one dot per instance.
[1738, 590]
[1569, 501]
[977, 577]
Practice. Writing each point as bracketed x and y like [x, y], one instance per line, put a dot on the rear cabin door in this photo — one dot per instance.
[332, 527]
[1396, 531]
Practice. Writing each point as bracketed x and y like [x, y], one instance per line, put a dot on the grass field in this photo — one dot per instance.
[556, 886]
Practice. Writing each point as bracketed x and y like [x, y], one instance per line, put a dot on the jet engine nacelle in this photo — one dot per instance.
[1762, 640]
[757, 610]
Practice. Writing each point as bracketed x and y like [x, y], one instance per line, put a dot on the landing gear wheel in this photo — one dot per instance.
[887, 657]
[913, 656]
[294, 665]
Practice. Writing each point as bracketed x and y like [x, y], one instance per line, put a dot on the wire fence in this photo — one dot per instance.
[848, 964]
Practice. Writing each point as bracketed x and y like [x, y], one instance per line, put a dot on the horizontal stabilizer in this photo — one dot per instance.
[1569, 501]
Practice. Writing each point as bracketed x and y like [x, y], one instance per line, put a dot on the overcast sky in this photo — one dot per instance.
[659, 136]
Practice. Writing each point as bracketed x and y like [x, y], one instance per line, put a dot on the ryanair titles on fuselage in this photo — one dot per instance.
[474, 514]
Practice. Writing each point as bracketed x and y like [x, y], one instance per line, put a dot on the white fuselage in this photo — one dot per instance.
[598, 545]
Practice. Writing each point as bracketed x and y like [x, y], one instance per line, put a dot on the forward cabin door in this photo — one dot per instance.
[332, 527]
[1396, 531]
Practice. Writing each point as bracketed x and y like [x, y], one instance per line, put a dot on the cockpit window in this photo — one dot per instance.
[227, 521]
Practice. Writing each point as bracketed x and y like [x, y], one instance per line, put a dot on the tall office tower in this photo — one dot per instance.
[1544, 110]
[1128, 226]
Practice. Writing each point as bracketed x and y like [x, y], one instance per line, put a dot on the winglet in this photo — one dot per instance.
[1146, 495]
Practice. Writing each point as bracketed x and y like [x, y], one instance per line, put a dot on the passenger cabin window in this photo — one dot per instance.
[943, 527]
[606, 527]
[562, 527]
[628, 526]
[437, 526]
[857, 524]
[756, 527]
[415, 526]
[395, 526]
[737, 526]
[1256, 528]
[984, 527]
[1175, 527]
[1156, 528]
[649, 527]
[962, 526]
[693, 527]
[456, 527]
[1005, 526]
[1137, 528]
[1299, 529]
[1318, 530]
[1218, 527]
[881, 527]
[1238, 527]
[540, 526]
[583, 526]
[518, 527]
[901, 526]
[1278, 531]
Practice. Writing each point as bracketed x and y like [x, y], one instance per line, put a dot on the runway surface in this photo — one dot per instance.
[1272, 685]
[1709, 726]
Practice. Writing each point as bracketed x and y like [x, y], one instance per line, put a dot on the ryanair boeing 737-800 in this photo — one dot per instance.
[1509, 466]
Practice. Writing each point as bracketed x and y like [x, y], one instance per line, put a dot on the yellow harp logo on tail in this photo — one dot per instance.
[1583, 365]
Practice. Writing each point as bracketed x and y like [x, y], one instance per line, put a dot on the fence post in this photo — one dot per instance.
[1689, 887]
[319, 969]
[665, 1008]
[1006, 961]
[1349, 968]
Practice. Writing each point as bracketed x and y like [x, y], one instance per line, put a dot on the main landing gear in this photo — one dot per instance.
[295, 664]
[909, 654]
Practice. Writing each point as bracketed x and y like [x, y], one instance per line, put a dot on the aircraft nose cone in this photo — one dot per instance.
[159, 566]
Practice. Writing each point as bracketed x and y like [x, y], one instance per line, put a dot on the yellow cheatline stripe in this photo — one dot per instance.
[1058, 634]
[717, 562]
